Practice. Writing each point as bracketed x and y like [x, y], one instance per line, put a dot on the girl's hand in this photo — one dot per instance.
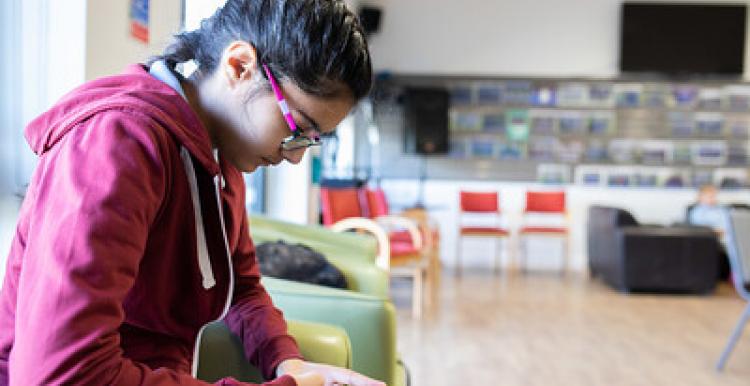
[316, 374]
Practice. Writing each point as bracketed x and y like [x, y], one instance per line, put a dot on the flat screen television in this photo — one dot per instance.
[682, 39]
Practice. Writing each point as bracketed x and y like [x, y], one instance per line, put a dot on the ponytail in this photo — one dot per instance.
[182, 49]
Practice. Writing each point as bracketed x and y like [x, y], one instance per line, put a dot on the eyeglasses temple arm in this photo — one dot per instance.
[280, 100]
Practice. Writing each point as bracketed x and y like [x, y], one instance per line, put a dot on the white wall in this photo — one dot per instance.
[197, 10]
[502, 37]
[109, 46]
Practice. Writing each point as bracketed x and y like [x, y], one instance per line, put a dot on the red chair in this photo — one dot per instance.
[378, 208]
[545, 204]
[401, 240]
[402, 245]
[348, 209]
[340, 203]
[377, 203]
[485, 204]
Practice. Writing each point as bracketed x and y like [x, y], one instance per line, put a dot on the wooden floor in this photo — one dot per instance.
[546, 329]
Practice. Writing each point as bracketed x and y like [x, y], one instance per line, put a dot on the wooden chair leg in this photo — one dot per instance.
[435, 266]
[429, 283]
[511, 242]
[458, 255]
[498, 244]
[523, 240]
[434, 276]
[565, 256]
[416, 305]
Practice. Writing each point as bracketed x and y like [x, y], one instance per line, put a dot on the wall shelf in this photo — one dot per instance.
[696, 130]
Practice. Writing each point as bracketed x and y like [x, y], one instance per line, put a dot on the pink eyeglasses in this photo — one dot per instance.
[296, 140]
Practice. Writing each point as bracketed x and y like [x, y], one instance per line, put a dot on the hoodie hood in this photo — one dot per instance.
[136, 90]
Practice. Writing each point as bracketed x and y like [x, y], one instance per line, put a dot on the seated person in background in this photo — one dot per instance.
[708, 212]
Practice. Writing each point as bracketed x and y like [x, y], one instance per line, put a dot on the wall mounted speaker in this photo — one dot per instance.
[426, 120]
[369, 17]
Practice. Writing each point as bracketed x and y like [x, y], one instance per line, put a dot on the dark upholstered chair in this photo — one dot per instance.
[647, 258]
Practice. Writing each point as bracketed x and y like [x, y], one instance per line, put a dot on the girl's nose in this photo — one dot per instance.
[294, 156]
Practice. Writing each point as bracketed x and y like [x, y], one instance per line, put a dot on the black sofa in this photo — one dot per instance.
[648, 258]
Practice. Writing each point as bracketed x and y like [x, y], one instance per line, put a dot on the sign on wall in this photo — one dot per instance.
[139, 19]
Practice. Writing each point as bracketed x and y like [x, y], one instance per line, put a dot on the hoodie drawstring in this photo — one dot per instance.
[204, 262]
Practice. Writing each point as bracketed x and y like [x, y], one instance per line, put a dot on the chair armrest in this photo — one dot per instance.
[221, 354]
[383, 259]
[682, 224]
[430, 228]
[322, 343]
[370, 322]
[410, 225]
[362, 277]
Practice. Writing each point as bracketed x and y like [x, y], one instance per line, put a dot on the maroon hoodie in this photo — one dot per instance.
[118, 259]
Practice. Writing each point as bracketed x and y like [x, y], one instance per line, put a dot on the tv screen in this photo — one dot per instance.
[682, 39]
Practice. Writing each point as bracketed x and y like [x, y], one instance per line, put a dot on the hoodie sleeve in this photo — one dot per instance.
[96, 193]
[253, 316]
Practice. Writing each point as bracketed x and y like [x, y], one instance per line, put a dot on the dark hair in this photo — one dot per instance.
[317, 44]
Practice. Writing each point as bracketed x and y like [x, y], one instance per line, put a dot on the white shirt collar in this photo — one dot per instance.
[159, 70]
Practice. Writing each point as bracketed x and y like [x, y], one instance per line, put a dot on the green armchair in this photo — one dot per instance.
[220, 353]
[364, 311]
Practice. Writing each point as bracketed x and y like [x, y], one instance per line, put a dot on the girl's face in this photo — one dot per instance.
[247, 124]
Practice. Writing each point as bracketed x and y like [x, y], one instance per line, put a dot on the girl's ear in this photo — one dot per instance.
[239, 62]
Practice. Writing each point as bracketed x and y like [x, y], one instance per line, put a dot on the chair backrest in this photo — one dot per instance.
[377, 203]
[688, 210]
[739, 205]
[479, 202]
[623, 218]
[600, 235]
[738, 249]
[610, 218]
[545, 202]
[341, 203]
